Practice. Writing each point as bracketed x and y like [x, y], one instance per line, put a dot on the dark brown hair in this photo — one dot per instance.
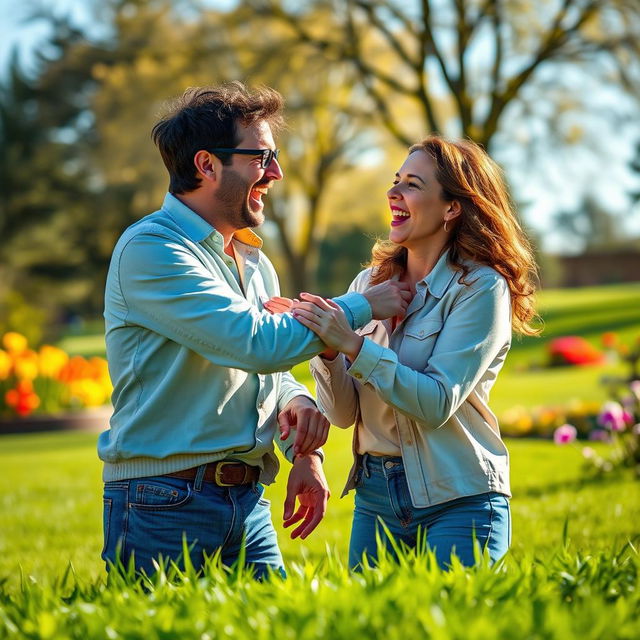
[487, 231]
[206, 118]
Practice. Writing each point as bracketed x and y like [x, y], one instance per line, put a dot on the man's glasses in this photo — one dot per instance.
[267, 154]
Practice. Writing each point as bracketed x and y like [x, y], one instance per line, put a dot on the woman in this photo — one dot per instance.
[429, 456]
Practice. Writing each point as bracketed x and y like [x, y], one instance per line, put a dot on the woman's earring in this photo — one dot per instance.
[445, 226]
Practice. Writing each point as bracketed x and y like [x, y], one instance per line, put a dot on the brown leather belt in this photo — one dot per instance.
[224, 473]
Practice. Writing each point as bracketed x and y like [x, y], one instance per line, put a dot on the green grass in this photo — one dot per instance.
[50, 514]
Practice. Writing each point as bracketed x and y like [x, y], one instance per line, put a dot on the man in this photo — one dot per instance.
[199, 368]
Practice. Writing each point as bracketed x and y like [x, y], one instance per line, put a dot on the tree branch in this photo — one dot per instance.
[389, 36]
[556, 38]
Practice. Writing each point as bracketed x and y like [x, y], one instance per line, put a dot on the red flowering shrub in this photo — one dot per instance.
[573, 350]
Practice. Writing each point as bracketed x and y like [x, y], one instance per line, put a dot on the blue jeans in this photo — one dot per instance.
[147, 517]
[382, 493]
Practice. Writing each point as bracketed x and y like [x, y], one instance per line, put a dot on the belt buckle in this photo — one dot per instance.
[218, 475]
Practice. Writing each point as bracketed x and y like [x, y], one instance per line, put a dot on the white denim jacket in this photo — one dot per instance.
[436, 374]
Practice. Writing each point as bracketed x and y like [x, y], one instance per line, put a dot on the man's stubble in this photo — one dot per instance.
[232, 199]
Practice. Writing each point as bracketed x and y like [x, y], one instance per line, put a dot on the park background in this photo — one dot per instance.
[550, 88]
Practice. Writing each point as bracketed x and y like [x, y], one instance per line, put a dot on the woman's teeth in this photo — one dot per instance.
[399, 216]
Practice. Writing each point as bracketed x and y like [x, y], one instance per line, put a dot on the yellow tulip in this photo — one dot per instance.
[26, 365]
[14, 342]
[52, 359]
[6, 363]
[87, 392]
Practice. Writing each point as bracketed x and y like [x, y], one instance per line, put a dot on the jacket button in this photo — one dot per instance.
[358, 375]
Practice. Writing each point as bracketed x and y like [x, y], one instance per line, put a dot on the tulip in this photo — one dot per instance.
[52, 359]
[14, 342]
[22, 399]
[6, 363]
[565, 434]
[26, 365]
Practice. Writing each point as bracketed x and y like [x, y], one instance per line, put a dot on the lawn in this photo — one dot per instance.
[50, 515]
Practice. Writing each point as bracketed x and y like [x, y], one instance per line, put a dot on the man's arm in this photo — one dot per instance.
[166, 289]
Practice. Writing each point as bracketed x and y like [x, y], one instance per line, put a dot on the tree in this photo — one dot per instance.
[589, 226]
[462, 63]
[44, 178]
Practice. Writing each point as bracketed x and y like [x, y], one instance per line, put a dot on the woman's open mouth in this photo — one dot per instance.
[399, 216]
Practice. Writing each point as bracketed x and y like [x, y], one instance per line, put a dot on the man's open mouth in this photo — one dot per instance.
[257, 192]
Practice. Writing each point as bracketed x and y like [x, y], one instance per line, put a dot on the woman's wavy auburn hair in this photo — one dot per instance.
[486, 232]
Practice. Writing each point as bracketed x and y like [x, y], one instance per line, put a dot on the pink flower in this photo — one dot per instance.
[614, 417]
[635, 388]
[588, 453]
[636, 429]
[565, 434]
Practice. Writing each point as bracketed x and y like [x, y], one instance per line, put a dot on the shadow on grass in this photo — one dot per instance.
[577, 484]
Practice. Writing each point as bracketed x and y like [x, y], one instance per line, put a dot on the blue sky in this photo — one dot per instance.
[559, 185]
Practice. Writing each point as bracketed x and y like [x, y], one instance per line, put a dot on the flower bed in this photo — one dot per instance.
[44, 385]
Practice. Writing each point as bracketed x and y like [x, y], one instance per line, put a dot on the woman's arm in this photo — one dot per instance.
[337, 395]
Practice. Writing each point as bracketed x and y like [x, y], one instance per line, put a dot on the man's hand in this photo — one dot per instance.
[389, 298]
[307, 483]
[278, 304]
[311, 427]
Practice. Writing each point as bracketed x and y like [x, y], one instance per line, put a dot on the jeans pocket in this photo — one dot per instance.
[154, 494]
[107, 503]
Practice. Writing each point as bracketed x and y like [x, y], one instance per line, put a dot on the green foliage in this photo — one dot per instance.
[16, 314]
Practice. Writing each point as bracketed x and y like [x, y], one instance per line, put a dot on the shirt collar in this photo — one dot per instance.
[197, 228]
[440, 277]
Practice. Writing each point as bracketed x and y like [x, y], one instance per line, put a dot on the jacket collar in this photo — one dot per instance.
[440, 277]
[197, 228]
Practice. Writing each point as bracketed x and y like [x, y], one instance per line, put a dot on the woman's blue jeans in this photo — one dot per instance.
[147, 518]
[382, 494]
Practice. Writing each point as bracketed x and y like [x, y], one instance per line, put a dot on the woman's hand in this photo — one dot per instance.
[327, 320]
[278, 304]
